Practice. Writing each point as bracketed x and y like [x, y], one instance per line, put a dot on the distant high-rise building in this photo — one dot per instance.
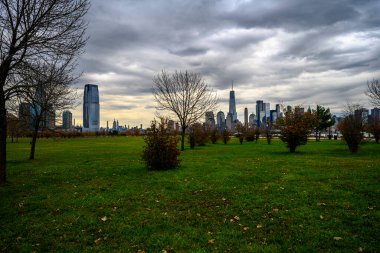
[375, 113]
[209, 119]
[252, 119]
[220, 120]
[232, 108]
[25, 115]
[246, 117]
[67, 119]
[229, 121]
[273, 116]
[259, 111]
[91, 111]
[278, 110]
[267, 112]
[363, 113]
[289, 108]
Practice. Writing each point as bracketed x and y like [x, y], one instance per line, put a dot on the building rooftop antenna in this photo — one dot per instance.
[232, 85]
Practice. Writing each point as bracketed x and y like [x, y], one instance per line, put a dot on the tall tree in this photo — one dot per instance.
[48, 94]
[322, 120]
[186, 95]
[373, 92]
[34, 31]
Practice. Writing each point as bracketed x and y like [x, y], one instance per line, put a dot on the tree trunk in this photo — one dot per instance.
[4, 70]
[183, 138]
[34, 139]
[3, 138]
[33, 145]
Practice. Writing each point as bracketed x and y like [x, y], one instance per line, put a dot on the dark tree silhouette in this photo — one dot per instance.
[34, 31]
[373, 92]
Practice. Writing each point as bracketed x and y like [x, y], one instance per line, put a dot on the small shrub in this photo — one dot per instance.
[250, 135]
[294, 128]
[256, 132]
[226, 135]
[160, 151]
[214, 135]
[199, 134]
[351, 128]
[373, 128]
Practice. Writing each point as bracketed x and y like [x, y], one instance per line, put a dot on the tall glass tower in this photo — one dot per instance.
[233, 104]
[91, 112]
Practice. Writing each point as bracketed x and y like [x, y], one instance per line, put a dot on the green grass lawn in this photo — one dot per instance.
[94, 195]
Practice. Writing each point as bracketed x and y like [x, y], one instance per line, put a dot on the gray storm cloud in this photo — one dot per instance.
[291, 51]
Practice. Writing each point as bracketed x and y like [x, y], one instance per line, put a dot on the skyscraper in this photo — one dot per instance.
[91, 112]
[221, 121]
[233, 104]
[246, 117]
[210, 120]
[67, 119]
[25, 115]
[259, 111]
[229, 121]
[267, 112]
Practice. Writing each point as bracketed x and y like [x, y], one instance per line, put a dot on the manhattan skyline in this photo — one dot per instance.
[289, 52]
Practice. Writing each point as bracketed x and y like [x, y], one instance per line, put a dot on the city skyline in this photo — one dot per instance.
[282, 52]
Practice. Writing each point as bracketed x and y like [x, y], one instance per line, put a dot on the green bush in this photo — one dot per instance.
[352, 128]
[160, 151]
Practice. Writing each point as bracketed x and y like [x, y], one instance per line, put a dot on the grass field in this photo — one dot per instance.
[94, 195]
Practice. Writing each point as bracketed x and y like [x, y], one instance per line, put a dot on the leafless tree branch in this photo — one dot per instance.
[186, 95]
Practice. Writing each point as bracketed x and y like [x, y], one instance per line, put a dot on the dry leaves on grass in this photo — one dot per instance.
[211, 241]
[104, 218]
[337, 238]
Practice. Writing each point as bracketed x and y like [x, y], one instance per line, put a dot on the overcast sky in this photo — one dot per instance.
[295, 52]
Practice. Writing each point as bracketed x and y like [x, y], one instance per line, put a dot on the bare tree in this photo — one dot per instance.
[34, 31]
[373, 92]
[49, 92]
[186, 95]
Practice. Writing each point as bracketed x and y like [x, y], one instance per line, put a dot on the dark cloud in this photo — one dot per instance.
[189, 51]
[294, 50]
[120, 107]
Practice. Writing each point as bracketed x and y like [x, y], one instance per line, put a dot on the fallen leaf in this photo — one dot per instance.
[321, 204]
[259, 226]
[236, 218]
[245, 228]
[140, 251]
[104, 219]
[275, 210]
[360, 249]
[321, 217]
[97, 241]
[211, 241]
[337, 238]
[114, 208]
[223, 199]
[164, 251]
[198, 214]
